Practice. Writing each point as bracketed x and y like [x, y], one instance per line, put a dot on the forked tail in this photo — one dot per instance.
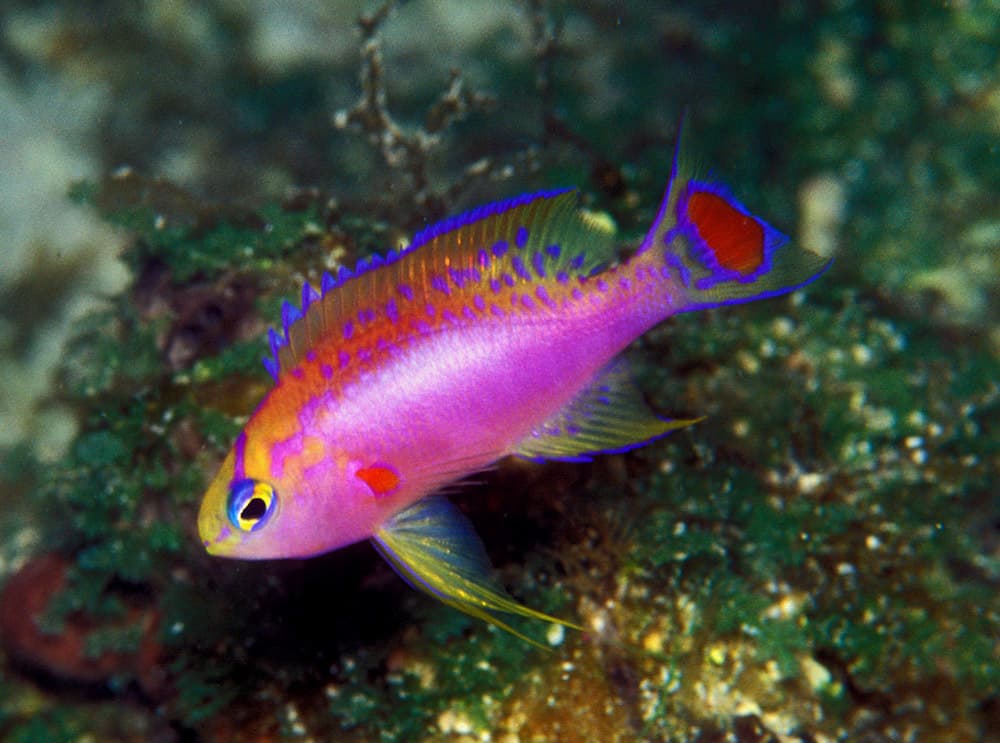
[716, 249]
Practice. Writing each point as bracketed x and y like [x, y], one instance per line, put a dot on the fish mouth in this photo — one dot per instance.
[217, 536]
[221, 542]
[214, 530]
[211, 547]
[213, 539]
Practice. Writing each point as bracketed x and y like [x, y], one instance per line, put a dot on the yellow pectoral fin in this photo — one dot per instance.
[433, 547]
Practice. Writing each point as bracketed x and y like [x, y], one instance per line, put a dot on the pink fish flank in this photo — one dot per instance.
[494, 333]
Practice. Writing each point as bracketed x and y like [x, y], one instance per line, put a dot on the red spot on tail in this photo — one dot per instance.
[735, 239]
[383, 479]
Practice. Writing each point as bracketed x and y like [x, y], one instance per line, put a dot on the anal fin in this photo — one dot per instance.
[434, 548]
[609, 416]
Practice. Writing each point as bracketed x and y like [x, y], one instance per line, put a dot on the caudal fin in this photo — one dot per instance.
[717, 250]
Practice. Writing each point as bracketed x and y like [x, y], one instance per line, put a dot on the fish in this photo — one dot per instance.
[495, 333]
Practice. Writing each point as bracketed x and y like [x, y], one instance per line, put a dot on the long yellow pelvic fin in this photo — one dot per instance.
[434, 548]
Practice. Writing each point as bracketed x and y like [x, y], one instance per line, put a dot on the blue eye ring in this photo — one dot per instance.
[252, 503]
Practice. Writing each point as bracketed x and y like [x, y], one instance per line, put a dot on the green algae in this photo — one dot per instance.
[855, 545]
[450, 664]
[195, 240]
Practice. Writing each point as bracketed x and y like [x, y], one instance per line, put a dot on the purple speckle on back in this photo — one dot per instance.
[521, 238]
[479, 302]
[538, 261]
[405, 291]
[440, 284]
[500, 248]
[348, 330]
[313, 409]
[519, 268]
[343, 357]
[392, 311]
[326, 370]
[544, 297]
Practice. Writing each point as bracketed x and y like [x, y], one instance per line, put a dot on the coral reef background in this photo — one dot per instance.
[819, 560]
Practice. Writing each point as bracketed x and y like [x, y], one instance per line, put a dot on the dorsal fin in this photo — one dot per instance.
[531, 237]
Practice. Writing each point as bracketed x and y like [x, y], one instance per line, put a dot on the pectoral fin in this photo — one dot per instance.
[434, 548]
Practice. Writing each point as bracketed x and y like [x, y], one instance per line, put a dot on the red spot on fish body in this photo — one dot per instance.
[735, 239]
[383, 479]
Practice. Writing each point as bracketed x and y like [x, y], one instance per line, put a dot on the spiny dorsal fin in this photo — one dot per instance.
[531, 237]
[607, 416]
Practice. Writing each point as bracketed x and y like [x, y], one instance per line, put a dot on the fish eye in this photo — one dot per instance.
[251, 504]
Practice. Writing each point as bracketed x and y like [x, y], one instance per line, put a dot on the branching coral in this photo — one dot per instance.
[408, 150]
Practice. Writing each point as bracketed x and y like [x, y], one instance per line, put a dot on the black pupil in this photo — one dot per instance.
[254, 509]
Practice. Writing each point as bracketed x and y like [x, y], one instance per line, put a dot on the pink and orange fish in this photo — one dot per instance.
[495, 333]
